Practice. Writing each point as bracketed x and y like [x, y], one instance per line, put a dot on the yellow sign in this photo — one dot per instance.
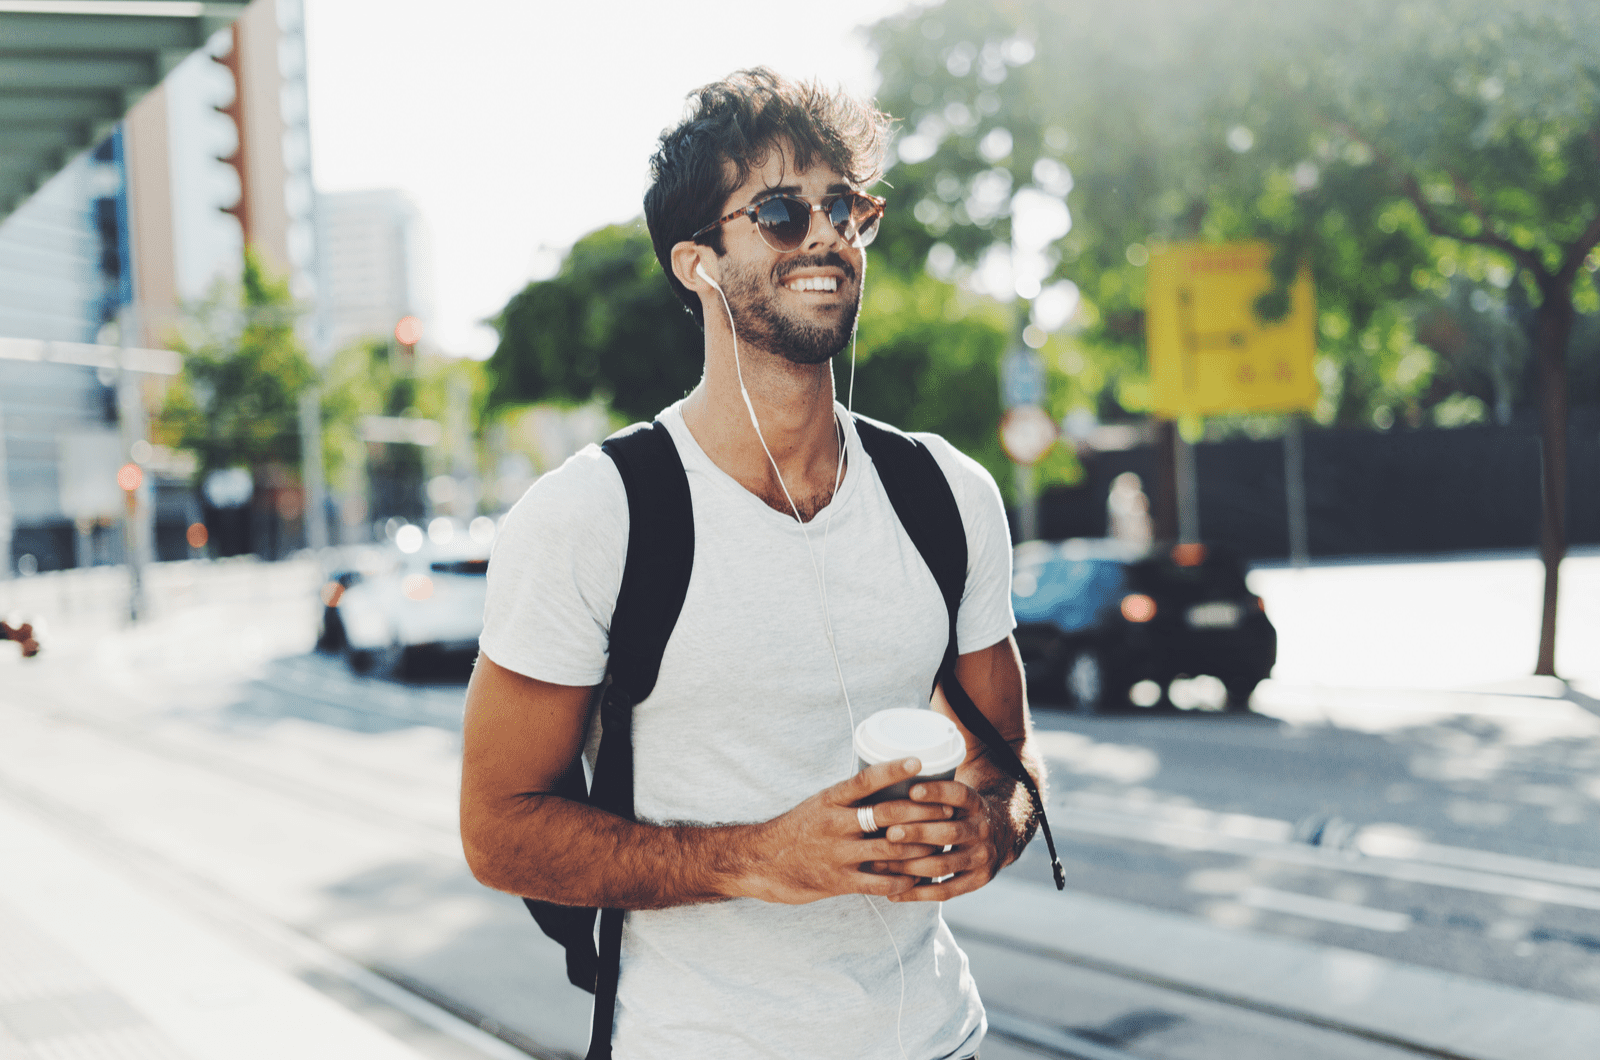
[1209, 352]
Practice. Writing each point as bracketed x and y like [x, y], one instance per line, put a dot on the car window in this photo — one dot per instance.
[1067, 593]
[1205, 580]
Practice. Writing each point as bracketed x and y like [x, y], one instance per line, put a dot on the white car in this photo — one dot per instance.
[428, 598]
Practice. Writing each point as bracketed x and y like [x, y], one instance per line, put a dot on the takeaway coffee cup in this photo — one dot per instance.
[908, 732]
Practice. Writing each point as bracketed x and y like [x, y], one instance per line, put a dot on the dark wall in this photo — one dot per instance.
[1367, 493]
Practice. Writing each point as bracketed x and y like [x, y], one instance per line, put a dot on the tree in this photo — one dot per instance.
[1393, 146]
[369, 377]
[927, 359]
[374, 377]
[606, 326]
[235, 404]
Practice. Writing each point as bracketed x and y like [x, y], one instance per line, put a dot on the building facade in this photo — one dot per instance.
[108, 251]
[374, 264]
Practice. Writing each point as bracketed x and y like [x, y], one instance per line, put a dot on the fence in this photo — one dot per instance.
[1367, 493]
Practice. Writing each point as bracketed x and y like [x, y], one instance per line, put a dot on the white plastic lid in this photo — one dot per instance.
[906, 732]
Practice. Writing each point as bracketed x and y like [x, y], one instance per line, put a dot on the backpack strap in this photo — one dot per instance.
[655, 580]
[927, 509]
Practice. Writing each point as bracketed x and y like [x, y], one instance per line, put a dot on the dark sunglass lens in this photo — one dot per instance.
[840, 213]
[867, 230]
[785, 221]
[855, 216]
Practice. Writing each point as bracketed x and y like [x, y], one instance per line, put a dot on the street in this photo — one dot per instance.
[1437, 825]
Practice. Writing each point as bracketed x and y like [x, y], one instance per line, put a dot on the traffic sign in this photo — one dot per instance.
[1022, 378]
[1209, 352]
[1026, 433]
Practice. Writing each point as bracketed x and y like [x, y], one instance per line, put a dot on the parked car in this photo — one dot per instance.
[400, 603]
[1098, 617]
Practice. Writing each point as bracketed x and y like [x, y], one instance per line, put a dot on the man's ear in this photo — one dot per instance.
[687, 255]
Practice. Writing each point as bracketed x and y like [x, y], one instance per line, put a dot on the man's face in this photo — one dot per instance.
[801, 304]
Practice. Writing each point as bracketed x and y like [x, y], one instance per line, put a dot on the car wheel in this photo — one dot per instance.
[1084, 681]
[1239, 693]
[377, 662]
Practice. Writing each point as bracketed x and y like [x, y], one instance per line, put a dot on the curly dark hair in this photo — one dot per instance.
[729, 130]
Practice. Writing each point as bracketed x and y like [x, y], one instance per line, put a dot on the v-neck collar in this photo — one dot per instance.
[856, 463]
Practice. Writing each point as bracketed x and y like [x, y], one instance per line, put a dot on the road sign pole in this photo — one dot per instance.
[1188, 491]
[1294, 481]
[1026, 431]
[1027, 503]
[316, 493]
[136, 507]
[5, 503]
[1164, 501]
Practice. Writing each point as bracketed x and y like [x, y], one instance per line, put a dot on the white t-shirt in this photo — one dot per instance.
[746, 721]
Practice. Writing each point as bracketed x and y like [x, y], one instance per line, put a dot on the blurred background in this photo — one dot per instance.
[1277, 324]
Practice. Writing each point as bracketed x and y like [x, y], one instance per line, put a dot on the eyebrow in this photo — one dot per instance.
[836, 188]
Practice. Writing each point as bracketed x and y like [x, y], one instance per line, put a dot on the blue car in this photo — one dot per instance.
[1098, 617]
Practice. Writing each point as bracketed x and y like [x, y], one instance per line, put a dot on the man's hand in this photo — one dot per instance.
[991, 815]
[817, 850]
[976, 840]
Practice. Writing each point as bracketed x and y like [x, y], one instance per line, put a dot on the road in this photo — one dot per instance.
[213, 752]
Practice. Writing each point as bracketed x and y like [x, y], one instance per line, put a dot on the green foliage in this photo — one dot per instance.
[236, 401]
[607, 326]
[927, 358]
[362, 379]
[1392, 146]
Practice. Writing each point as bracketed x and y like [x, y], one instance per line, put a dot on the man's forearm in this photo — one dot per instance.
[1011, 809]
[560, 851]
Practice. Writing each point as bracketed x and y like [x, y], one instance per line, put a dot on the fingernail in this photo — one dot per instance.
[949, 811]
[919, 792]
[912, 766]
[896, 834]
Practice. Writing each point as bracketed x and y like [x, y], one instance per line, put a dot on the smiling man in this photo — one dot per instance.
[765, 917]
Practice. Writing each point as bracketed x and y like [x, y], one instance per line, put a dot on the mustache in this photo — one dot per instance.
[818, 261]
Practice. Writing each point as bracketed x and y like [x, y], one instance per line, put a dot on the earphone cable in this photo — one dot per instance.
[822, 589]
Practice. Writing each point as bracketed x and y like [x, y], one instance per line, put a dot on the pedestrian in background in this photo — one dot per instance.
[23, 635]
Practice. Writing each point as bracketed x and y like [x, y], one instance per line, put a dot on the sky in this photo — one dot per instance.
[516, 127]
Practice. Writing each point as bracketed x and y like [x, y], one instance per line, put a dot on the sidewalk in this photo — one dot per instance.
[94, 963]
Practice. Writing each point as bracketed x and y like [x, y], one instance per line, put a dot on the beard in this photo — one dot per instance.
[762, 322]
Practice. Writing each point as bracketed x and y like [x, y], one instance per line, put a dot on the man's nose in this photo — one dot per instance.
[821, 233]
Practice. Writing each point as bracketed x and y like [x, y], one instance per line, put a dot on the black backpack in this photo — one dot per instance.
[655, 579]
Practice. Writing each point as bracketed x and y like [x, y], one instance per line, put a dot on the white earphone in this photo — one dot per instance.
[700, 271]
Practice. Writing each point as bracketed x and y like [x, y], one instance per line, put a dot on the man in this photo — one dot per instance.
[765, 921]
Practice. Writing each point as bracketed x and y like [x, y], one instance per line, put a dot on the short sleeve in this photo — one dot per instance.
[985, 617]
[555, 571]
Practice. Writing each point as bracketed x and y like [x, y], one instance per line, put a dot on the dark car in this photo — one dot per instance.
[1097, 617]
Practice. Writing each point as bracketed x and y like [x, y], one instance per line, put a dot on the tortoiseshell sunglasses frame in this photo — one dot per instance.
[820, 207]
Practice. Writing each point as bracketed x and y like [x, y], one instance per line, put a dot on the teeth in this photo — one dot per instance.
[813, 283]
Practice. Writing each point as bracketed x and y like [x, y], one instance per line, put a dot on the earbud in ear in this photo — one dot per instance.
[700, 271]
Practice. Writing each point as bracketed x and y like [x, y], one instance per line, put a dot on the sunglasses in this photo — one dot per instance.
[784, 221]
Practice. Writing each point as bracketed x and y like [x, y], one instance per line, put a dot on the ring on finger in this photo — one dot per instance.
[867, 819]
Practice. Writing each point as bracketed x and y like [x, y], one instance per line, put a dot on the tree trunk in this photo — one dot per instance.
[1553, 329]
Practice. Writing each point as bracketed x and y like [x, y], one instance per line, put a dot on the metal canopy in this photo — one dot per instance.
[70, 69]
